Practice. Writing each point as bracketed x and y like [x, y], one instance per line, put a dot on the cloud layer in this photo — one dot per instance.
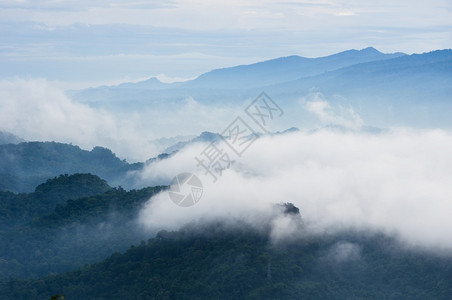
[397, 182]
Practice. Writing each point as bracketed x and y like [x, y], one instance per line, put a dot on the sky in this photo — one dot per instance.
[77, 44]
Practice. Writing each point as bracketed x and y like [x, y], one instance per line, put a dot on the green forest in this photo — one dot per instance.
[66, 222]
[214, 262]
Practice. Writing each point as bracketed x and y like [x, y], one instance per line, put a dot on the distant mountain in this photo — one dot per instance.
[284, 69]
[228, 81]
[165, 142]
[94, 94]
[204, 137]
[208, 137]
[217, 262]
[431, 70]
[25, 165]
[413, 90]
[291, 130]
[384, 89]
[151, 83]
[9, 138]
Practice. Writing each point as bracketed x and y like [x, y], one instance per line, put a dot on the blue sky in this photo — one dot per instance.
[86, 43]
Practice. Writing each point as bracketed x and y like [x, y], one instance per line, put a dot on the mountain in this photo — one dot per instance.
[19, 209]
[228, 81]
[385, 76]
[384, 89]
[284, 69]
[65, 223]
[151, 83]
[9, 138]
[25, 165]
[219, 262]
[412, 90]
[94, 94]
[204, 137]
[165, 142]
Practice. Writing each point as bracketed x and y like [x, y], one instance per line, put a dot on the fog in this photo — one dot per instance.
[397, 182]
[36, 110]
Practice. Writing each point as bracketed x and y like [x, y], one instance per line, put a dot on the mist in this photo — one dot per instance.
[396, 182]
[37, 110]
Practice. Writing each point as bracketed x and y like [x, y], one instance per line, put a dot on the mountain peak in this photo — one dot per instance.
[153, 80]
[64, 187]
[208, 136]
[370, 50]
[367, 52]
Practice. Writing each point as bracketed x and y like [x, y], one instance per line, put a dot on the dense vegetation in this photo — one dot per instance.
[25, 165]
[67, 222]
[218, 263]
[17, 209]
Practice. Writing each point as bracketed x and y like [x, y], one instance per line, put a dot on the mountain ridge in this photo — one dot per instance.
[406, 90]
[288, 63]
[25, 165]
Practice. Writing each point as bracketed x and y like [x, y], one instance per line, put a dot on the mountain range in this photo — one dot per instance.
[385, 89]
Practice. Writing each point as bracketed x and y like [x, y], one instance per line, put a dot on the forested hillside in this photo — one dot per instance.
[67, 222]
[217, 262]
[25, 165]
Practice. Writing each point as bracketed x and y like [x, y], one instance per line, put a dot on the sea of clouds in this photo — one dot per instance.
[396, 182]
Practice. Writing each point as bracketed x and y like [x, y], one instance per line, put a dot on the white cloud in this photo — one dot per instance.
[328, 115]
[220, 15]
[343, 252]
[397, 183]
[35, 110]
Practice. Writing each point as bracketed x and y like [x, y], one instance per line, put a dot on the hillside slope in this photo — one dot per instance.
[220, 263]
[25, 165]
[67, 222]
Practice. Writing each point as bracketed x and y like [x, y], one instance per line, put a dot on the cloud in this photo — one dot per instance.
[343, 252]
[396, 182]
[328, 115]
[69, 5]
[35, 110]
